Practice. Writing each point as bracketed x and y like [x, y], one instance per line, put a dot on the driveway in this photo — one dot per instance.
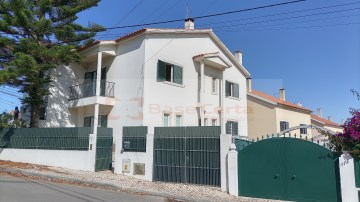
[14, 189]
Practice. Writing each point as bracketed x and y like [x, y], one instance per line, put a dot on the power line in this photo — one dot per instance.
[283, 13]
[211, 15]
[4, 92]
[292, 17]
[287, 28]
[127, 15]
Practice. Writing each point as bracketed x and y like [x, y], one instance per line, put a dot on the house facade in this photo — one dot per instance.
[152, 77]
[269, 115]
[318, 121]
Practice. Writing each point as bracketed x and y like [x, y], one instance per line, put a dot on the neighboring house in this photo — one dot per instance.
[269, 115]
[152, 77]
[317, 120]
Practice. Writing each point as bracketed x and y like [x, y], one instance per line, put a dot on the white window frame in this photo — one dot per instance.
[181, 119]
[169, 119]
[214, 122]
[214, 85]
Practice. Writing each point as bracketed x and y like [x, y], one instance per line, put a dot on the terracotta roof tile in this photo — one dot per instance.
[200, 55]
[278, 101]
[327, 122]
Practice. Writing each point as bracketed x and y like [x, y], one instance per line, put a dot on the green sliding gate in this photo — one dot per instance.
[104, 149]
[187, 155]
[288, 169]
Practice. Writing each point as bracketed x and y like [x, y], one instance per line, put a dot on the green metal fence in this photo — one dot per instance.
[45, 138]
[134, 138]
[357, 172]
[104, 149]
[187, 155]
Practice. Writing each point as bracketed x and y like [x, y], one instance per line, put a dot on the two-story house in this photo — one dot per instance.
[152, 77]
[269, 115]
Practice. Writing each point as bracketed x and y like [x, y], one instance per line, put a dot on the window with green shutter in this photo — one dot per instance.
[169, 72]
[231, 89]
[232, 127]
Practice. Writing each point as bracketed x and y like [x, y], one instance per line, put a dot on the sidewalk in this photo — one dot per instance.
[106, 179]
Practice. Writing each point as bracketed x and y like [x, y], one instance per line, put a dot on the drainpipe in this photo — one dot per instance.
[222, 95]
[202, 89]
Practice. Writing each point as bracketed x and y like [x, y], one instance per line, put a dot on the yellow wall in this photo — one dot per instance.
[294, 117]
[261, 118]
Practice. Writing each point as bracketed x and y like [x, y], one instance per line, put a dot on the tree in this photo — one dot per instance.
[36, 36]
[7, 121]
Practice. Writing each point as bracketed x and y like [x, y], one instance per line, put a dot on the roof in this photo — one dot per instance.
[325, 121]
[278, 101]
[218, 42]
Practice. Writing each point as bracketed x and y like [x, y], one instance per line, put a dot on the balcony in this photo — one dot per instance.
[85, 94]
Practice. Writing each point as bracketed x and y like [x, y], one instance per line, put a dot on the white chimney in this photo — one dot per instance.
[299, 104]
[238, 56]
[248, 84]
[189, 23]
[282, 94]
[329, 118]
[319, 113]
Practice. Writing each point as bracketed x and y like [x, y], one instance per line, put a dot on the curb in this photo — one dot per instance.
[96, 184]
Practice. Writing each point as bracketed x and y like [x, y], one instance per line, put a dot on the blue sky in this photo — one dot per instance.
[311, 48]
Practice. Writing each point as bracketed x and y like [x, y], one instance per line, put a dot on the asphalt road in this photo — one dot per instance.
[15, 189]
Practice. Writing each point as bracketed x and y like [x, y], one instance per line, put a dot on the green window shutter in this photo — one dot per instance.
[227, 126]
[236, 90]
[161, 71]
[103, 120]
[235, 128]
[87, 121]
[227, 88]
[178, 74]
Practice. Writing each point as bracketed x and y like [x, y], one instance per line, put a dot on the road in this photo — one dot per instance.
[15, 189]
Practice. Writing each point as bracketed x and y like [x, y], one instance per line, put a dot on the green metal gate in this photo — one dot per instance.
[104, 149]
[288, 169]
[187, 155]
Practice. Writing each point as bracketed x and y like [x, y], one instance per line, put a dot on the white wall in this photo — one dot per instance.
[135, 157]
[163, 97]
[349, 192]
[77, 160]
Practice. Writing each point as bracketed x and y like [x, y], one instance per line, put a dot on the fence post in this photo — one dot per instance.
[225, 141]
[232, 161]
[349, 192]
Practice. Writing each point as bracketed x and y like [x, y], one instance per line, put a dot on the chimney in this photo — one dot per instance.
[329, 118]
[189, 23]
[238, 56]
[319, 113]
[299, 104]
[248, 84]
[282, 94]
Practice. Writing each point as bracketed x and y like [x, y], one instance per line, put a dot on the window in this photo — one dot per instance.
[213, 122]
[178, 120]
[42, 113]
[232, 127]
[102, 121]
[284, 125]
[214, 85]
[303, 130]
[169, 72]
[206, 121]
[166, 119]
[232, 89]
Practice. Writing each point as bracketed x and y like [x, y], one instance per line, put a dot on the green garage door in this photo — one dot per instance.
[288, 169]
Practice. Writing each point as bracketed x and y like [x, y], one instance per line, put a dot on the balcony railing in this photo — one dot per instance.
[89, 89]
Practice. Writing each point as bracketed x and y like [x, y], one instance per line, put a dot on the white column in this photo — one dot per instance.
[232, 167]
[349, 191]
[222, 105]
[225, 141]
[202, 91]
[98, 73]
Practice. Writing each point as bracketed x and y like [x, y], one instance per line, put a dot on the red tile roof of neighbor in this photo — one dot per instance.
[327, 122]
[278, 101]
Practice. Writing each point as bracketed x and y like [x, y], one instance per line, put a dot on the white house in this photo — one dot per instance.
[152, 77]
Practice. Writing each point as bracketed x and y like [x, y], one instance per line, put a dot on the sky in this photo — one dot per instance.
[311, 48]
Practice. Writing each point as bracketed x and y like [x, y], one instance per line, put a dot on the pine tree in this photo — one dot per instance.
[37, 36]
